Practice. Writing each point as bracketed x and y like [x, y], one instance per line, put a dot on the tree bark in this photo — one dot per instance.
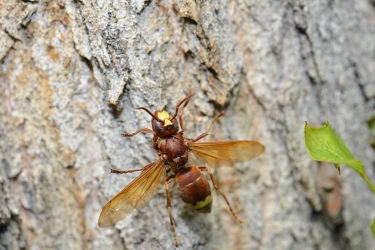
[72, 73]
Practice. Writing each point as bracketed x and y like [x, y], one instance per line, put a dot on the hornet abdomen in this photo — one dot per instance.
[194, 189]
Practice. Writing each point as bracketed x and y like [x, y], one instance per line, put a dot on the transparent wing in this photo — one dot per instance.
[136, 195]
[226, 153]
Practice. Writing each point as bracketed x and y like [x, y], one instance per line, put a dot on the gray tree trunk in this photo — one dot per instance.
[72, 73]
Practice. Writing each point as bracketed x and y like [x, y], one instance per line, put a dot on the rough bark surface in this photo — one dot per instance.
[72, 72]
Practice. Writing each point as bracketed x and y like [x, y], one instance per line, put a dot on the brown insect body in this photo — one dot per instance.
[173, 148]
[194, 189]
[193, 186]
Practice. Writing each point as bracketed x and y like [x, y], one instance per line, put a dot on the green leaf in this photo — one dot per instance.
[324, 144]
[372, 227]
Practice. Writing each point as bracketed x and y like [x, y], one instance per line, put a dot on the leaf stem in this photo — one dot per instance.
[369, 183]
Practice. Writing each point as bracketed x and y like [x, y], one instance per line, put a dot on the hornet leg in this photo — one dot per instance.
[206, 168]
[114, 171]
[209, 128]
[144, 130]
[169, 179]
